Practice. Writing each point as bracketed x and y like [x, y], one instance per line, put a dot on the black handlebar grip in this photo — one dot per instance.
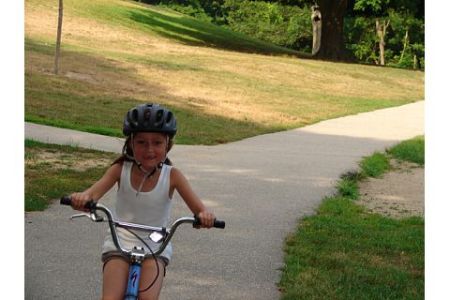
[219, 224]
[66, 200]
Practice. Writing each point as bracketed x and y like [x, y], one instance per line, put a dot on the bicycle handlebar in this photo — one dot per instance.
[167, 233]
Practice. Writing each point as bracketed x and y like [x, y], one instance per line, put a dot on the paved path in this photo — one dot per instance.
[261, 186]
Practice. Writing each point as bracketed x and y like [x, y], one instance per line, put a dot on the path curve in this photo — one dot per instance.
[261, 186]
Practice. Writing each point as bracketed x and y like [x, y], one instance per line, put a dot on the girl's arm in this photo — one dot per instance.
[98, 189]
[180, 183]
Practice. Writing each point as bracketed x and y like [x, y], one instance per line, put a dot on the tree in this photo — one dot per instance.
[389, 32]
[378, 8]
[381, 33]
[332, 38]
[58, 36]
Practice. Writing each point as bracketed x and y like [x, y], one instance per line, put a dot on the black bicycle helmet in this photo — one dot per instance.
[150, 118]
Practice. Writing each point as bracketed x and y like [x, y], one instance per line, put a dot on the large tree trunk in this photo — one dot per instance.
[58, 36]
[332, 45]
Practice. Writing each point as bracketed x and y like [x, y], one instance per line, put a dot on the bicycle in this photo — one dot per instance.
[160, 235]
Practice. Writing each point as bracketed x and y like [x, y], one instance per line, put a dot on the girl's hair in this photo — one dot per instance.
[128, 150]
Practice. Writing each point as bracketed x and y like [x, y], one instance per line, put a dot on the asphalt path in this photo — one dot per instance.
[260, 186]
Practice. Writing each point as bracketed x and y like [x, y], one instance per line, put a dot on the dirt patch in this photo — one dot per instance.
[398, 194]
[61, 160]
[81, 76]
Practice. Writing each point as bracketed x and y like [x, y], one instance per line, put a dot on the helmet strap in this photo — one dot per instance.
[146, 175]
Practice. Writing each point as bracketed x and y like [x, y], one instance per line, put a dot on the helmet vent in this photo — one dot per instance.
[169, 117]
[134, 117]
[159, 118]
[150, 118]
[147, 114]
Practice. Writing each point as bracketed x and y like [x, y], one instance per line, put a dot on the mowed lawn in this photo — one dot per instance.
[222, 86]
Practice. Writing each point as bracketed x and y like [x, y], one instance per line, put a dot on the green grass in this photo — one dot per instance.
[46, 180]
[412, 150]
[348, 186]
[345, 252]
[374, 165]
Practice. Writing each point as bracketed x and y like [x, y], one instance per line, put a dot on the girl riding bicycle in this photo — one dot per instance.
[146, 182]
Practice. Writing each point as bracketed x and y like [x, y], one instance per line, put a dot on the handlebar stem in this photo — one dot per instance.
[167, 232]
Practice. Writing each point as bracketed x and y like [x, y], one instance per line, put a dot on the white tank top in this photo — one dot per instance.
[148, 208]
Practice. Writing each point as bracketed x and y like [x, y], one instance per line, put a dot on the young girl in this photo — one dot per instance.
[146, 182]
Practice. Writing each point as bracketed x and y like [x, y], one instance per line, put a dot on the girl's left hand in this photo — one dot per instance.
[207, 219]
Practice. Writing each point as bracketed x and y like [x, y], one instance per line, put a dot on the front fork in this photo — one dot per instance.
[134, 275]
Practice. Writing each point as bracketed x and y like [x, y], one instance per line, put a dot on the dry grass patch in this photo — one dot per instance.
[115, 56]
[55, 159]
[52, 171]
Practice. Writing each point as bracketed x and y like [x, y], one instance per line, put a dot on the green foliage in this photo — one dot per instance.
[191, 8]
[204, 10]
[404, 18]
[406, 39]
[362, 40]
[370, 5]
[283, 25]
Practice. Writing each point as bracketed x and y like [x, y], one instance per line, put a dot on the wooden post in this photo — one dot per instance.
[58, 36]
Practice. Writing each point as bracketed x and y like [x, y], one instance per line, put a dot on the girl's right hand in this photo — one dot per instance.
[79, 200]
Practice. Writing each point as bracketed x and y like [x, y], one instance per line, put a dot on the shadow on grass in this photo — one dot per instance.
[196, 33]
[98, 106]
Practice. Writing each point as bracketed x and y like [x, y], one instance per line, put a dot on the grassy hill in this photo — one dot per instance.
[223, 86]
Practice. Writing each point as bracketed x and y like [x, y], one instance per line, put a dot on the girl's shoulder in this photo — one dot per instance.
[115, 169]
[175, 174]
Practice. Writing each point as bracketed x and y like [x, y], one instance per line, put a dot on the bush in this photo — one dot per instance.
[362, 41]
[191, 8]
[283, 25]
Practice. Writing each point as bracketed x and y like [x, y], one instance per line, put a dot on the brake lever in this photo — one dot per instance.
[92, 216]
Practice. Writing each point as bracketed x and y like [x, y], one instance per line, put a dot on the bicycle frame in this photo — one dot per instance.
[137, 254]
[134, 274]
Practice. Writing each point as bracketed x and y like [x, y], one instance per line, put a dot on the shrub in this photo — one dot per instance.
[283, 25]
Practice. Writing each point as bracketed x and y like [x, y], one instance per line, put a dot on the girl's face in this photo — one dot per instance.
[150, 148]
